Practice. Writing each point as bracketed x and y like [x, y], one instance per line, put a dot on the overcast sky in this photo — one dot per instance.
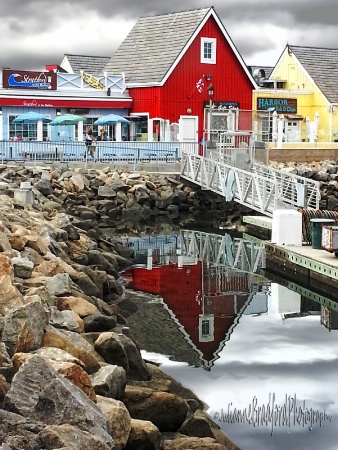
[34, 33]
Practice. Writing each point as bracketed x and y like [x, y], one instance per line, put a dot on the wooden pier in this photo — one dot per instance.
[318, 268]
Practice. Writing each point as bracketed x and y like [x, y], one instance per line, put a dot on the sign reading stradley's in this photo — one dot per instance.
[22, 79]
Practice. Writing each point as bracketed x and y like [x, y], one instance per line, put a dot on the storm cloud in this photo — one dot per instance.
[40, 32]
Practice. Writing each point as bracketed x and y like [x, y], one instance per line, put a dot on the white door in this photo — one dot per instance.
[188, 129]
[292, 131]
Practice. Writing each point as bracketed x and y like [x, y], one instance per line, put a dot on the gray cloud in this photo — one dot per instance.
[39, 32]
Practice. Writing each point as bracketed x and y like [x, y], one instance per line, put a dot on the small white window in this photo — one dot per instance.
[208, 50]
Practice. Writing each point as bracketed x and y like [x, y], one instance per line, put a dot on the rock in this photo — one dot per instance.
[40, 393]
[67, 320]
[178, 442]
[73, 344]
[73, 371]
[166, 411]
[23, 328]
[118, 349]
[4, 387]
[51, 205]
[106, 191]
[76, 374]
[44, 186]
[59, 284]
[78, 305]
[98, 322]
[119, 420]
[144, 435]
[71, 438]
[23, 267]
[109, 381]
[201, 425]
[18, 432]
[110, 348]
[10, 297]
[6, 266]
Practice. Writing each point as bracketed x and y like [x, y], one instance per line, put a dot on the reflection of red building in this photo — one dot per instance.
[207, 318]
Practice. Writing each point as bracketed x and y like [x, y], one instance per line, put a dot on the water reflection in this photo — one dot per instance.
[263, 341]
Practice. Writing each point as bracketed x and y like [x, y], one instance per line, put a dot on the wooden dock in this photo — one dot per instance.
[317, 268]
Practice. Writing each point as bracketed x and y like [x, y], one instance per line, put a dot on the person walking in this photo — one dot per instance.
[90, 139]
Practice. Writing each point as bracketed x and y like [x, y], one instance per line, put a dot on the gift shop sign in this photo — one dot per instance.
[19, 79]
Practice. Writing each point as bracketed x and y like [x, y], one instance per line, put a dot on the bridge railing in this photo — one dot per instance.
[259, 189]
[290, 188]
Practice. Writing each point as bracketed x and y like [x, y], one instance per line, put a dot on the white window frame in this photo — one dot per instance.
[212, 59]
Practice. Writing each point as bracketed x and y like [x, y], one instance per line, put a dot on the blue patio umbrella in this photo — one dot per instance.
[31, 117]
[110, 119]
[67, 119]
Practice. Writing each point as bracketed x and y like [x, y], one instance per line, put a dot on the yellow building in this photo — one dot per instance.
[303, 90]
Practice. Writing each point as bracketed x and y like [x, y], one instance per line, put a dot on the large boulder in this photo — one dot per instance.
[39, 392]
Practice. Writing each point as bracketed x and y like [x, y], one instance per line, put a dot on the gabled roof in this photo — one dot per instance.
[156, 44]
[90, 64]
[322, 66]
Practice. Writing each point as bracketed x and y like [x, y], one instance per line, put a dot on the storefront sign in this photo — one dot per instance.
[281, 105]
[66, 103]
[222, 105]
[92, 81]
[19, 79]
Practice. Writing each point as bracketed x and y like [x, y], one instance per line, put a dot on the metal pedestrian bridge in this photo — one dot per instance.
[231, 172]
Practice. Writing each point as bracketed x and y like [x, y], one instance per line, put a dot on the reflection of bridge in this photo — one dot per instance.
[223, 250]
[259, 187]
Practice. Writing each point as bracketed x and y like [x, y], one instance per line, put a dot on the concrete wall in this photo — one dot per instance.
[300, 155]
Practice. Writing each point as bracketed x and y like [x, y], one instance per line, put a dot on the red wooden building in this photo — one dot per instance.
[171, 61]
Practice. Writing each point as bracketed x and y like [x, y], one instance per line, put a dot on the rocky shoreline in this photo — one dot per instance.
[71, 377]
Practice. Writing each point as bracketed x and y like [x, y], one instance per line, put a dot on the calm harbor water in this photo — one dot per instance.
[260, 351]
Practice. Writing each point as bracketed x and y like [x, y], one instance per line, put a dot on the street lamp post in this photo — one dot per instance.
[211, 95]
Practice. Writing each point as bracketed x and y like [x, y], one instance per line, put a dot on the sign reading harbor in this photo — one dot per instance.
[281, 105]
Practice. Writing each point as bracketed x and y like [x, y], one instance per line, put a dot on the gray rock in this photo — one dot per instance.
[64, 319]
[45, 187]
[40, 393]
[23, 267]
[23, 328]
[106, 191]
[98, 322]
[109, 381]
[59, 284]
[18, 432]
